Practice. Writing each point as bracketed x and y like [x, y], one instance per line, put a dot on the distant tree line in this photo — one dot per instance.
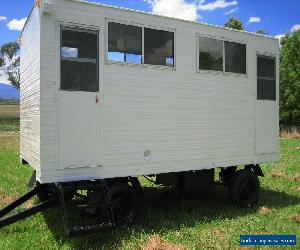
[289, 70]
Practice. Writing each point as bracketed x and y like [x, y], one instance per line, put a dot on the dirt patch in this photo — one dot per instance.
[154, 242]
[296, 218]
[29, 204]
[297, 148]
[8, 199]
[296, 177]
[265, 210]
[296, 188]
[218, 234]
[279, 174]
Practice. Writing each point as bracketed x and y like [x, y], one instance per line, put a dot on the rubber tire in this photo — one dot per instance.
[239, 180]
[121, 192]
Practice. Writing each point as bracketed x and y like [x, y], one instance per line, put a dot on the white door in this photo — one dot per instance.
[79, 110]
[267, 111]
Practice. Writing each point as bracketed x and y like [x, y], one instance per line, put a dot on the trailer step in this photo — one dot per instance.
[85, 229]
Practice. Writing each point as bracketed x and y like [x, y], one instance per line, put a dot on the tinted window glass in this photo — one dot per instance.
[235, 57]
[210, 54]
[84, 42]
[159, 47]
[266, 89]
[79, 76]
[79, 60]
[265, 67]
[124, 43]
[266, 78]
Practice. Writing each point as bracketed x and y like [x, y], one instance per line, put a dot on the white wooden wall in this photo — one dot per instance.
[188, 119]
[30, 92]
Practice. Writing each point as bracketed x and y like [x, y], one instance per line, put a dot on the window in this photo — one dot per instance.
[220, 55]
[79, 60]
[159, 47]
[124, 43]
[266, 78]
[235, 57]
[210, 54]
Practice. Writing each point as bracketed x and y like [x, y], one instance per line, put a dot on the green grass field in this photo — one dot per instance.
[166, 220]
[9, 116]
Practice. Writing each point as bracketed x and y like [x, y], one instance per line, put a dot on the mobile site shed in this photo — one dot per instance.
[110, 93]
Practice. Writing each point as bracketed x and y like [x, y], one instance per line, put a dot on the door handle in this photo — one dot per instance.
[97, 99]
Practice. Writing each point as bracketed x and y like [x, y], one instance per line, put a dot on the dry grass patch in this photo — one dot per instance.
[8, 199]
[5, 134]
[265, 210]
[12, 110]
[29, 204]
[296, 218]
[9, 140]
[218, 234]
[294, 133]
[279, 174]
[296, 188]
[154, 242]
[296, 177]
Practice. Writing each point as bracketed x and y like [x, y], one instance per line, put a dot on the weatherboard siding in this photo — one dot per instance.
[30, 91]
[189, 120]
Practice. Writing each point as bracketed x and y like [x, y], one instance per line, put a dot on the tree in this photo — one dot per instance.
[290, 79]
[261, 32]
[10, 63]
[234, 23]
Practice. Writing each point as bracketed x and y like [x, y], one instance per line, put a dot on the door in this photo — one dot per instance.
[79, 112]
[267, 107]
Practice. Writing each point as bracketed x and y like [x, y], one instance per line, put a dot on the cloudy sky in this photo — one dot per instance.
[276, 17]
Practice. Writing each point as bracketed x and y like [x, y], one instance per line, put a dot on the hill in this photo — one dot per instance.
[8, 93]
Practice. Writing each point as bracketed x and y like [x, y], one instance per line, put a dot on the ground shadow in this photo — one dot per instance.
[164, 208]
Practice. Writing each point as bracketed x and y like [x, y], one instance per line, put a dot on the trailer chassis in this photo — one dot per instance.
[61, 195]
[91, 205]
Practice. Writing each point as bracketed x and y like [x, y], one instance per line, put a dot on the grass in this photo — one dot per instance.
[166, 220]
[9, 116]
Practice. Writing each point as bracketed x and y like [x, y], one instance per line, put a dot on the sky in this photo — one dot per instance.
[275, 17]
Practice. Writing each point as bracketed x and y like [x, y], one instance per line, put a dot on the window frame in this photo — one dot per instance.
[268, 56]
[215, 72]
[84, 29]
[143, 26]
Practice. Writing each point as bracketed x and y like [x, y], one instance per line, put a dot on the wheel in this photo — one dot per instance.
[244, 188]
[121, 204]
